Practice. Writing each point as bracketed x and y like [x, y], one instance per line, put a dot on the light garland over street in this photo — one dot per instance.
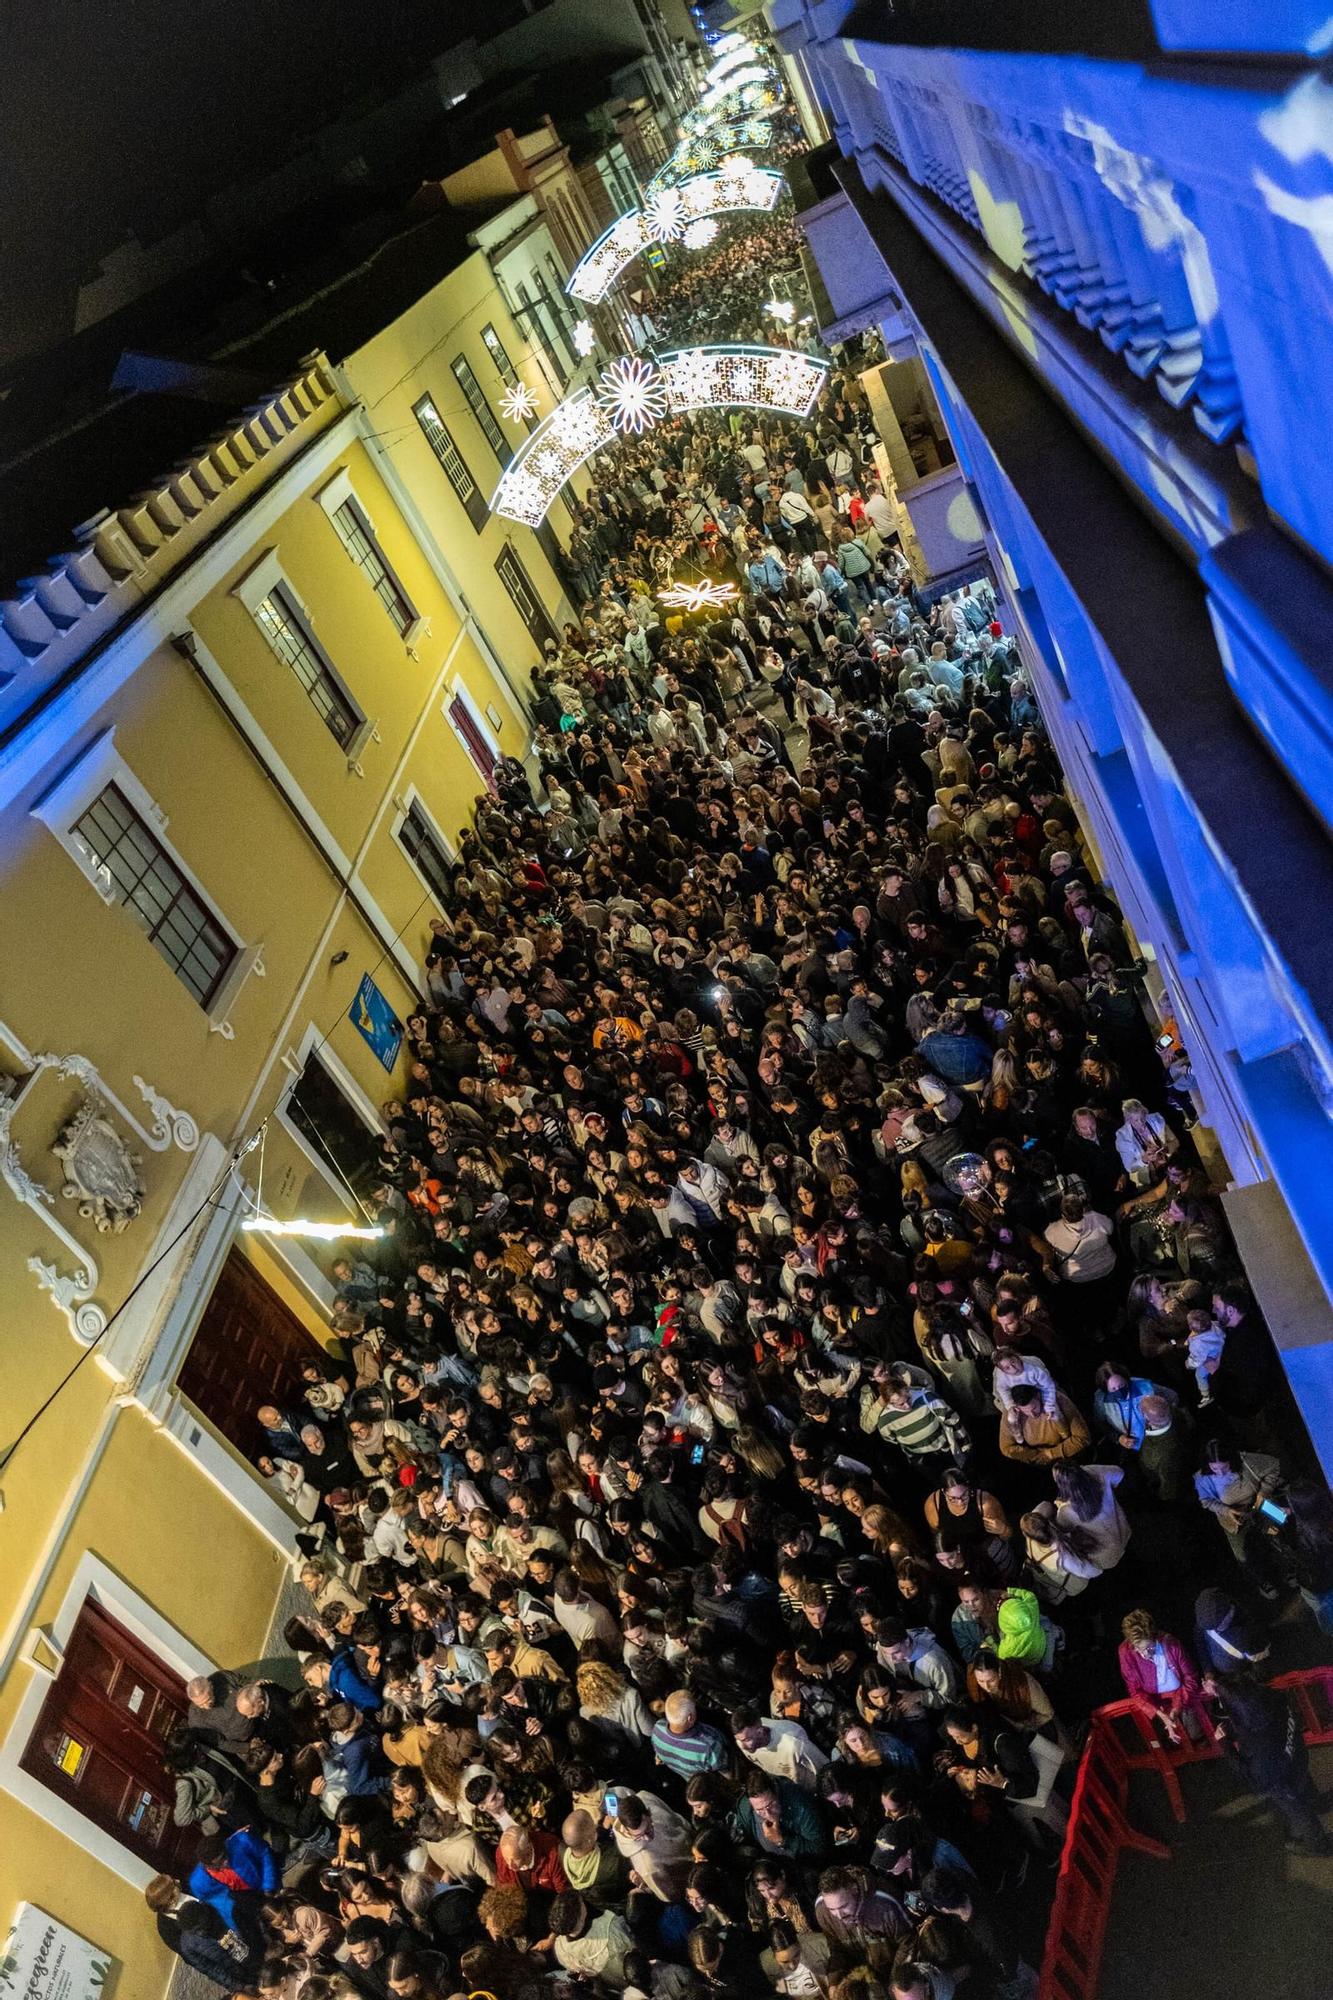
[736, 187]
[632, 394]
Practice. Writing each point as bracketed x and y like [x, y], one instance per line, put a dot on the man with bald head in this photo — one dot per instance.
[597, 1870]
[530, 1860]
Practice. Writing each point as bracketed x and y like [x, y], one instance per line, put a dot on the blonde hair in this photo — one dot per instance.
[599, 1686]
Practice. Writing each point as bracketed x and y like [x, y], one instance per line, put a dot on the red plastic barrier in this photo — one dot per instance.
[1098, 1828]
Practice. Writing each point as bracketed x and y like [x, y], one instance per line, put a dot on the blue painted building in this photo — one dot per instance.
[1107, 233]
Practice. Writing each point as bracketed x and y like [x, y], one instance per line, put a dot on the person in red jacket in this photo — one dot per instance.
[1160, 1678]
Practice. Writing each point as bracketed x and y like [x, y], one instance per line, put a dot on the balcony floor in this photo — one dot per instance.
[1233, 1915]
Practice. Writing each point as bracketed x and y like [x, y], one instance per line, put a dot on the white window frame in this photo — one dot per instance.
[340, 492]
[458, 686]
[259, 582]
[294, 1062]
[63, 804]
[402, 813]
[92, 1578]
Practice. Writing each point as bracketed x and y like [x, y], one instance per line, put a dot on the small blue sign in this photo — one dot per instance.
[376, 1020]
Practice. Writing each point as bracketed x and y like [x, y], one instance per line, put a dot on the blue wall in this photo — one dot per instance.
[1121, 281]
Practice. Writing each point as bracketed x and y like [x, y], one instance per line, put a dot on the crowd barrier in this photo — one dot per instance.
[1120, 1742]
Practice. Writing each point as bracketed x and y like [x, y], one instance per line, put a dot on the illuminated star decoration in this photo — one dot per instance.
[518, 403]
[665, 214]
[694, 596]
[781, 308]
[583, 337]
[700, 234]
[631, 392]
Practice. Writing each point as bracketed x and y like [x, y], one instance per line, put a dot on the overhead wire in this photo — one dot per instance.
[234, 1158]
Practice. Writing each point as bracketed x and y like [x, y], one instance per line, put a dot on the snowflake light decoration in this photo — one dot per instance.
[583, 337]
[698, 235]
[694, 596]
[702, 154]
[669, 213]
[578, 423]
[520, 496]
[781, 309]
[665, 214]
[632, 394]
[689, 378]
[518, 403]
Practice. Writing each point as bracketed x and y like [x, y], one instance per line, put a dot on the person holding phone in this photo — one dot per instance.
[1230, 1484]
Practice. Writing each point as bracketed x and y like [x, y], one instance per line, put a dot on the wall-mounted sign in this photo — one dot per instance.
[44, 1959]
[377, 1022]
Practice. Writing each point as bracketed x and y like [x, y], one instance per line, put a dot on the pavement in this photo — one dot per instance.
[1232, 1915]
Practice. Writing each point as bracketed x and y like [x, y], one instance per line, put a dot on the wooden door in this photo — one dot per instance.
[99, 1738]
[247, 1352]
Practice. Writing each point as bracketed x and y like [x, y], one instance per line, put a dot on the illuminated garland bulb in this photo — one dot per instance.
[268, 1225]
[700, 234]
[694, 596]
[518, 403]
[583, 337]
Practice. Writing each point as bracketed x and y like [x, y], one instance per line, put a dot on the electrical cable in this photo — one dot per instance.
[247, 1145]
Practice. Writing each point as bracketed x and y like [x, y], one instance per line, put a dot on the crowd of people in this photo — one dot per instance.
[805, 1364]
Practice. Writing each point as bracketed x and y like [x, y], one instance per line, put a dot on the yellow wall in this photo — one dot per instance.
[150, 1517]
[484, 180]
[413, 358]
[95, 986]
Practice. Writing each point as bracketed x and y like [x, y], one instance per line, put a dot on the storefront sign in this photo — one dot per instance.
[45, 1960]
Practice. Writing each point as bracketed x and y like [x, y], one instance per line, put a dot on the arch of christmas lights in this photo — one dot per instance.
[666, 216]
[702, 152]
[754, 89]
[754, 100]
[729, 61]
[633, 394]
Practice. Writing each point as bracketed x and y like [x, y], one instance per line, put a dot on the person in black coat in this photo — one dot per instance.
[1256, 1723]
[198, 1934]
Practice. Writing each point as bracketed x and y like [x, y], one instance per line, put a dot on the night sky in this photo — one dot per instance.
[125, 119]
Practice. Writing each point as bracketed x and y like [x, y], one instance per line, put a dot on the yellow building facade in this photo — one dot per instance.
[247, 718]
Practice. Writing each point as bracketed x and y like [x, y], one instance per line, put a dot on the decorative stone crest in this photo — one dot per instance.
[101, 1170]
[102, 1174]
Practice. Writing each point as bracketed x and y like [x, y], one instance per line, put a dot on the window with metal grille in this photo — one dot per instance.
[355, 534]
[481, 409]
[286, 631]
[523, 597]
[146, 881]
[532, 315]
[505, 369]
[451, 458]
[421, 841]
[559, 321]
[495, 348]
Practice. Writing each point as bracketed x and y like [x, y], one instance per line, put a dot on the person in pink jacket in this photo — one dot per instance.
[1160, 1678]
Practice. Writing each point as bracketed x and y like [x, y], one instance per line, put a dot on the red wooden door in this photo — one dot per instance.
[247, 1352]
[99, 1738]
